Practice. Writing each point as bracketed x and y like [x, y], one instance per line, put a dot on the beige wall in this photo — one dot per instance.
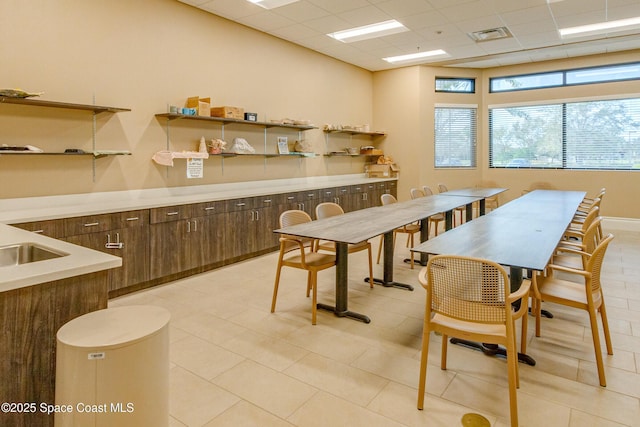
[146, 54]
[143, 55]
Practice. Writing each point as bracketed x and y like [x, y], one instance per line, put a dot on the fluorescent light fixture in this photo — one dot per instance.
[416, 56]
[369, 31]
[271, 4]
[600, 28]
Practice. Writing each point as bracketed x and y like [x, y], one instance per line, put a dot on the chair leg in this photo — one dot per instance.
[443, 352]
[605, 327]
[593, 321]
[412, 255]
[512, 373]
[275, 287]
[423, 366]
[523, 333]
[370, 266]
[313, 277]
[380, 248]
[309, 283]
[538, 311]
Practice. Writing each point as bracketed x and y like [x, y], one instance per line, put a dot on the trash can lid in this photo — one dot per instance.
[113, 326]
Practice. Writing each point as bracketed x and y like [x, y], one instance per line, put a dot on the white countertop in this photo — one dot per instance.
[83, 260]
[79, 261]
[28, 209]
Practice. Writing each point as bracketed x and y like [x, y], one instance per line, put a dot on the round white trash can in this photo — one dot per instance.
[112, 368]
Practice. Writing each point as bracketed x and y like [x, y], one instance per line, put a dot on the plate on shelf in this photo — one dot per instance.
[17, 93]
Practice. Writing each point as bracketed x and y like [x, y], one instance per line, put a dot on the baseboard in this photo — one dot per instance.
[623, 224]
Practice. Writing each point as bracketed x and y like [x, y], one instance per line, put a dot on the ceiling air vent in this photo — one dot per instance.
[492, 34]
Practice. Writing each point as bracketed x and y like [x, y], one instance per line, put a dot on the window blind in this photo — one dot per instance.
[455, 137]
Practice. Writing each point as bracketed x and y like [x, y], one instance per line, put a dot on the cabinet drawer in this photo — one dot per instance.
[235, 205]
[133, 219]
[89, 224]
[268, 201]
[206, 209]
[328, 193]
[51, 228]
[168, 213]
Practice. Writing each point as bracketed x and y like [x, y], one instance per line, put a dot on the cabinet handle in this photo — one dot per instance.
[290, 198]
[344, 190]
[302, 206]
[257, 215]
[133, 218]
[240, 204]
[92, 224]
[172, 213]
[210, 208]
[38, 231]
[311, 195]
[253, 215]
[188, 226]
[268, 201]
[195, 225]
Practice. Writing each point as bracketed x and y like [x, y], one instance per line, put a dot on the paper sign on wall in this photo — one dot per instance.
[195, 168]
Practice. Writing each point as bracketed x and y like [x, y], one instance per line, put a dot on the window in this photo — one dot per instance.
[459, 85]
[455, 136]
[608, 73]
[576, 135]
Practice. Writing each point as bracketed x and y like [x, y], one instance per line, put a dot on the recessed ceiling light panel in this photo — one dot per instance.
[369, 31]
[271, 4]
[600, 28]
[416, 56]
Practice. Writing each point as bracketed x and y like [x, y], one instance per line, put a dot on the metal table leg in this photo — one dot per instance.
[387, 280]
[342, 288]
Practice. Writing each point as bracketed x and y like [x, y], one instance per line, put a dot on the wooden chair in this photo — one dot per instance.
[461, 209]
[470, 298]
[433, 219]
[577, 228]
[576, 253]
[587, 202]
[409, 229]
[300, 258]
[585, 294]
[328, 209]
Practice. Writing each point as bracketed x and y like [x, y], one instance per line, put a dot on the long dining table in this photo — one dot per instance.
[358, 226]
[521, 235]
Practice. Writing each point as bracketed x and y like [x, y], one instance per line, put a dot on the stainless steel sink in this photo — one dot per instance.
[24, 253]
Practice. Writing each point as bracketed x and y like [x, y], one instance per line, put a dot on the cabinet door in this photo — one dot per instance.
[207, 233]
[52, 228]
[169, 248]
[241, 234]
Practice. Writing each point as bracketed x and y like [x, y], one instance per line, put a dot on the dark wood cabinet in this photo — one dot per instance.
[250, 224]
[123, 234]
[51, 228]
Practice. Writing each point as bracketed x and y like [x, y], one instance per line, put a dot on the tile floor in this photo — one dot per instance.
[233, 363]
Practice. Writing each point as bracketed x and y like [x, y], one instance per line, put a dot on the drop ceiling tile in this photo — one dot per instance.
[364, 16]
[532, 28]
[569, 7]
[266, 21]
[231, 9]
[528, 15]
[537, 40]
[424, 20]
[339, 6]
[580, 19]
[295, 32]
[300, 11]
[468, 11]
[401, 8]
[327, 24]
[499, 46]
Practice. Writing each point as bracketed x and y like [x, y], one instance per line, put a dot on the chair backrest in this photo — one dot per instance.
[416, 192]
[294, 217]
[594, 212]
[466, 288]
[327, 209]
[442, 188]
[593, 236]
[388, 199]
[594, 265]
[427, 191]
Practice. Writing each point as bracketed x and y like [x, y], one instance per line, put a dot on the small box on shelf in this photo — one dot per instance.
[251, 117]
[382, 171]
[228, 112]
[202, 105]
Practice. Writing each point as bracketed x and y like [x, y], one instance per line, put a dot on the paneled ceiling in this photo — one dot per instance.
[440, 24]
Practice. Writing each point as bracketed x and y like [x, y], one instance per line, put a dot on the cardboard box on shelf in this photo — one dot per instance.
[382, 171]
[228, 112]
[202, 105]
[371, 151]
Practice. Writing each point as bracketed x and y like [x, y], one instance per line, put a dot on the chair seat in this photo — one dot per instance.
[312, 259]
[331, 246]
[492, 332]
[411, 228]
[564, 290]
